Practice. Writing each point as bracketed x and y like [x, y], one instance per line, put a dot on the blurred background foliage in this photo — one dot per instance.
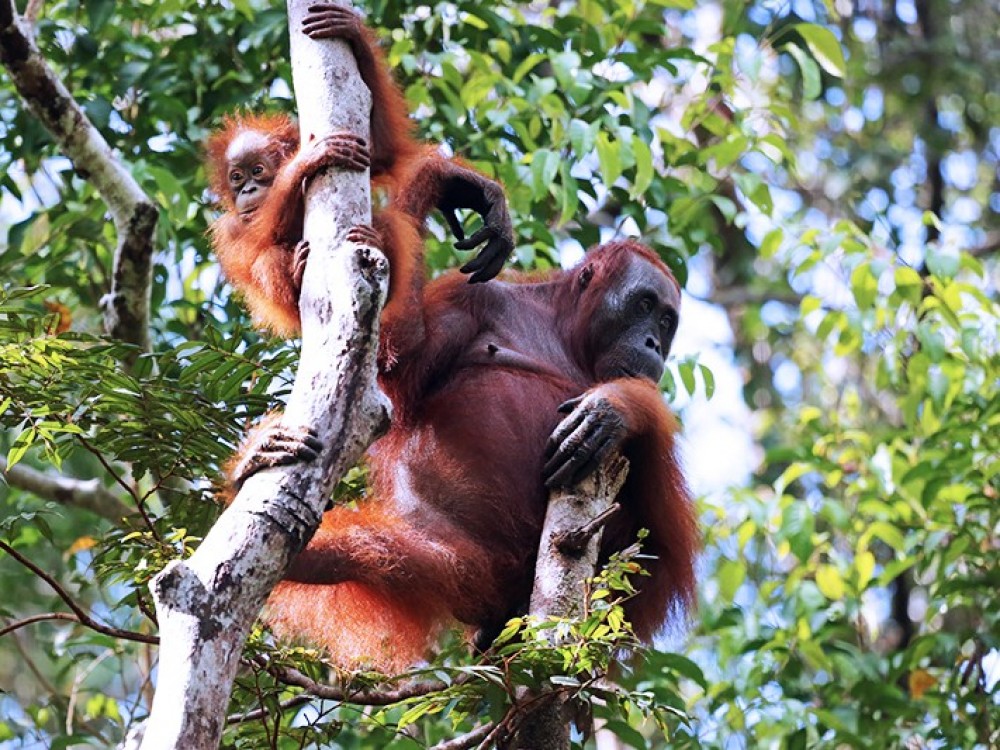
[823, 178]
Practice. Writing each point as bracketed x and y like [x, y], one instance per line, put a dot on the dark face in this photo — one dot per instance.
[635, 324]
[251, 170]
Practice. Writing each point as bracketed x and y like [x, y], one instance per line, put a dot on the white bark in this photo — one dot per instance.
[207, 604]
[126, 306]
[560, 580]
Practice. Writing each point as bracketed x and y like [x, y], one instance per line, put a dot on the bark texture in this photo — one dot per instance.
[567, 557]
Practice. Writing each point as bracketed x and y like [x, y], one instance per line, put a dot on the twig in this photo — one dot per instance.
[574, 541]
[84, 618]
[88, 494]
[121, 483]
[18, 624]
[366, 696]
[467, 740]
[990, 246]
[259, 713]
[31, 12]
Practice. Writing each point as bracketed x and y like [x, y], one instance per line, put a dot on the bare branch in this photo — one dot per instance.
[126, 307]
[83, 617]
[740, 296]
[467, 740]
[364, 697]
[44, 617]
[260, 713]
[990, 246]
[574, 541]
[32, 10]
[88, 494]
[559, 577]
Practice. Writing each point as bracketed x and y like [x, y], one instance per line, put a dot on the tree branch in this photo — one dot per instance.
[126, 307]
[207, 603]
[78, 611]
[990, 246]
[88, 494]
[365, 697]
[466, 741]
[739, 296]
[260, 713]
[44, 617]
[561, 573]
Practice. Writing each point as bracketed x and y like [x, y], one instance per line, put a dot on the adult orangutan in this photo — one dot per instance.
[259, 171]
[460, 482]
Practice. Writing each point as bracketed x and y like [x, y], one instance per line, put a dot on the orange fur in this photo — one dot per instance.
[451, 530]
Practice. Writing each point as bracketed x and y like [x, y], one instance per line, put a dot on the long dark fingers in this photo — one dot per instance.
[451, 217]
[497, 257]
[575, 452]
[562, 431]
[582, 464]
[476, 239]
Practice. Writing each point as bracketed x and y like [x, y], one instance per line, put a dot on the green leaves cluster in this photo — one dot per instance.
[880, 494]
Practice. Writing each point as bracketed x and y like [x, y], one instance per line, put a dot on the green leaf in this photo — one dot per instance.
[864, 285]
[709, 378]
[583, 136]
[812, 85]
[731, 576]
[21, 445]
[824, 47]
[643, 167]
[627, 734]
[99, 11]
[864, 563]
[544, 168]
[569, 194]
[943, 261]
[682, 666]
[771, 242]
[608, 154]
[830, 582]
[686, 371]
[908, 283]
[526, 66]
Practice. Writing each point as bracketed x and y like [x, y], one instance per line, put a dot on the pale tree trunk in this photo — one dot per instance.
[207, 604]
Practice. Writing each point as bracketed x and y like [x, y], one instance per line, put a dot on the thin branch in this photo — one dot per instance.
[18, 624]
[31, 12]
[260, 713]
[29, 661]
[738, 296]
[990, 246]
[126, 307]
[84, 618]
[574, 541]
[466, 741]
[88, 494]
[364, 697]
[121, 483]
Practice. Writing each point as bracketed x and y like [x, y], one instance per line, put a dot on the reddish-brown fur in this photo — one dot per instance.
[256, 252]
[451, 530]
